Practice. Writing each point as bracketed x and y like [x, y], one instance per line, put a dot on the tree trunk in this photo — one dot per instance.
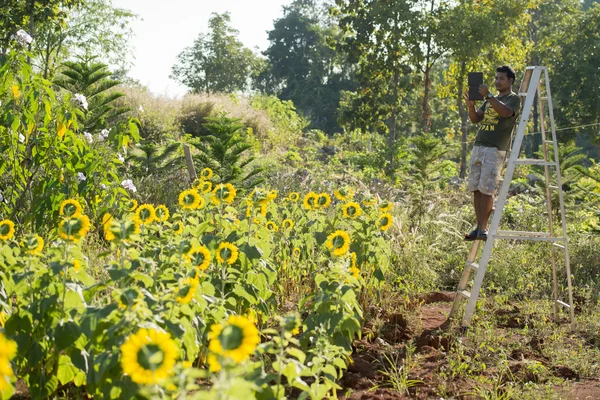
[426, 117]
[393, 118]
[426, 109]
[464, 127]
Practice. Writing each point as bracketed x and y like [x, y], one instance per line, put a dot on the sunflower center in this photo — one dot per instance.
[226, 253]
[144, 214]
[222, 193]
[231, 337]
[69, 209]
[198, 258]
[150, 357]
[338, 241]
[322, 200]
[384, 221]
[4, 229]
[351, 210]
[189, 199]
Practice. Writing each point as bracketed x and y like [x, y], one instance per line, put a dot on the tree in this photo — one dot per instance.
[480, 35]
[379, 36]
[30, 15]
[224, 150]
[92, 80]
[575, 79]
[94, 28]
[217, 61]
[301, 65]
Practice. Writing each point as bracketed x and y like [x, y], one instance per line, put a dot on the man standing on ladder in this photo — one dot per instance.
[497, 116]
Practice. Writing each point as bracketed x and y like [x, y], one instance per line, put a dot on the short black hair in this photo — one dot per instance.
[509, 71]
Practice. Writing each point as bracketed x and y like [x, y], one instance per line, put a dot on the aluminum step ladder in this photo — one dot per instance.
[532, 83]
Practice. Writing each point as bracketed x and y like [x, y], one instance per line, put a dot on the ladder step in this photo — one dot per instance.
[464, 294]
[544, 98]
[549, 142]
[562, 303]
[523, 235]
[560, 246]
[534, 161]
[523, 94]
[473, 265]
[553, 187]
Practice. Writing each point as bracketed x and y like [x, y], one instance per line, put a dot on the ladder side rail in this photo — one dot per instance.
[560, 195]
[548, 199]
[464, 279]
[487, 250]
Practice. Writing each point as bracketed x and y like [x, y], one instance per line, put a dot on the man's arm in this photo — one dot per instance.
[474, 115]
[504, 110]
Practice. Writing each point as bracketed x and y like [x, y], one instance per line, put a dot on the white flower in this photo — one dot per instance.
[81, 176]
[1, 197]
[128, 184]
[103, 134]
[88, 137]
[141, 108]
[121, 158]
[23, 37]
[81, 100]
[102, 186]
[21, 138]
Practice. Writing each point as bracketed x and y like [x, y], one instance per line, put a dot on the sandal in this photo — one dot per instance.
[473, 235]
[482, 235]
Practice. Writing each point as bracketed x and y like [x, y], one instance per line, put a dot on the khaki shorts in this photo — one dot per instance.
[484, 169]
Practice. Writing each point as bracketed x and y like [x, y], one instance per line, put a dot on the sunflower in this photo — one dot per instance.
[272, 195]
[130, 298]
[227, 253]
[148, 356]
[177, 227]
[263, 210]
[7, 229]
[355, 272]
[353, 260]
[132, 205]
[386, 206]
[311, 201]
[369, 201]
[205, 187]
[162, 213]
[185, 293]
[206, 174]
[107, 222]
[8, 351]
[344, 194]
[74, 228]
[15, 90]
[76, 265]
[189, 199]
[258, 196]
[324, 200]
[385, 221]
[32, 244]
[272, 226]
[291, 323]
[296, 253]
[145, 214]
[70, 208]
[223, 193]
[3, 317]
[236, 339]
[294, 197]
[352, 210]
[287, 224]
[338, 242]
[200, 257]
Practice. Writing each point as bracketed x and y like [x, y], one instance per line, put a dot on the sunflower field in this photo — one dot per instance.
[187, 299]
[226, 294]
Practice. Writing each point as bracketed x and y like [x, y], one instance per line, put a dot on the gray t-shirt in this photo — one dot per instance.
[495, 130]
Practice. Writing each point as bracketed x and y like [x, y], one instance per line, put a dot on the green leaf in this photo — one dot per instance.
[66, 370]
[65, 335]
[294, 352]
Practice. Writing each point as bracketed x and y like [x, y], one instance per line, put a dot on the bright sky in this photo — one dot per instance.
[168, 26]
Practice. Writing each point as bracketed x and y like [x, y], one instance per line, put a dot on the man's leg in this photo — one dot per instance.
[477, 205]
[485, 209]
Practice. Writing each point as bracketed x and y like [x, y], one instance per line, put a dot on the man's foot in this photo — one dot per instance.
[482, 235]
[472, 235]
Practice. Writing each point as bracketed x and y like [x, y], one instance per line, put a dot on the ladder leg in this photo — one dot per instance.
[548, 198]
[464, 279]
[560, 198]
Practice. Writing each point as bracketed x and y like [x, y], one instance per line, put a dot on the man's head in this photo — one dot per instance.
[505, 77]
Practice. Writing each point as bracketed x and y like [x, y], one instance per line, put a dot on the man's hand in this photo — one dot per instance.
[470, 103]
[483, 90]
